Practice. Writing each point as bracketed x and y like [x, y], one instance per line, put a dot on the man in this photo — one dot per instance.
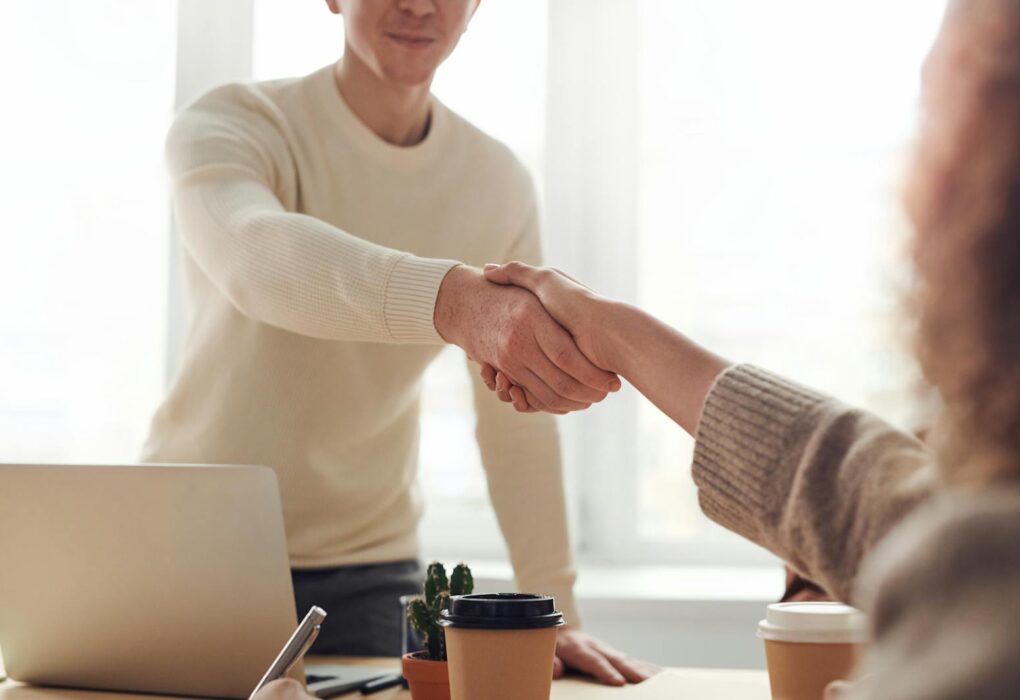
[333, 226]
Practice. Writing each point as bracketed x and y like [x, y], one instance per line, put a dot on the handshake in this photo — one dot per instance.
[544, 341]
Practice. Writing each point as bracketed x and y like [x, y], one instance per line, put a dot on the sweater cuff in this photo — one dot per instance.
[747, 422]
[410, 303]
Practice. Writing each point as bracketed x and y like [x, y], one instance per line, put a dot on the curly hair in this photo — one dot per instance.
[964, 200]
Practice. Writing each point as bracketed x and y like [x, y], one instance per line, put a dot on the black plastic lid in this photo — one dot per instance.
[502, 611]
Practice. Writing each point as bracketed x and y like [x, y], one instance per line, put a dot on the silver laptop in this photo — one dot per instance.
[149, 578]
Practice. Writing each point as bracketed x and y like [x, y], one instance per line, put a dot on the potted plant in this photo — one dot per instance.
[426, 671]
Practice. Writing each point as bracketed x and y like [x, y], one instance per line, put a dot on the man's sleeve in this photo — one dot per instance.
[230, 166]
[523, 465]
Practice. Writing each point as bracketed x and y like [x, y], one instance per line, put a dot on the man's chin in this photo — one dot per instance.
[409, 73]
[410, 78]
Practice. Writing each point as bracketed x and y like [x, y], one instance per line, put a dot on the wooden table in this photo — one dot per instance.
[689, 684]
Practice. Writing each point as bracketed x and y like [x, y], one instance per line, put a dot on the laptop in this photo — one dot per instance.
[152, 578]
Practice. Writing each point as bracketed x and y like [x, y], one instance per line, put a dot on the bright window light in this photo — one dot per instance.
[84, 197]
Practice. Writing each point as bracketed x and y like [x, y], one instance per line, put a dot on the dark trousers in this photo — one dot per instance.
[362, 603]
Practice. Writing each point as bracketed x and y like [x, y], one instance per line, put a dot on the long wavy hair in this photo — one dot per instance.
[964, 199]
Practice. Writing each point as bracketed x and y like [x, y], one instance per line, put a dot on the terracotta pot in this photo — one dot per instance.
[429, 680]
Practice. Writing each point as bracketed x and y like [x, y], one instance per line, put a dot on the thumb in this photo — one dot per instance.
[497, 274]
[558, 668]
[515, 273]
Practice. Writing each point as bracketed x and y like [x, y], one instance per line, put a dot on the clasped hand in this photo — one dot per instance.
[568, 314]
[500, 323]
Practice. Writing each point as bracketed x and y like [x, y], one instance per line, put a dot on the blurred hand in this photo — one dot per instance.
[575, 307]
[507, 327]
[581, 652]
[838, 690]
[283, 689]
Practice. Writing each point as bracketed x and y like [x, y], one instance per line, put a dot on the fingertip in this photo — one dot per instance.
[557, 667]
[502, 383]
[615, 384]
[495, 273]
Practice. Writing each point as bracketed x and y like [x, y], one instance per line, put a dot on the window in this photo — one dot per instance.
[86, 223]
[772, 139]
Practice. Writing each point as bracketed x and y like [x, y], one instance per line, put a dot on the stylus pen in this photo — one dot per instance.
[377, 684]
[295, 647]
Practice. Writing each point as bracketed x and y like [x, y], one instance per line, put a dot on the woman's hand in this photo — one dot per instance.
[839, 690]
[283, 689]
[669, 369]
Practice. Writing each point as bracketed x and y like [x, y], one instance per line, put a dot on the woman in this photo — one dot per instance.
[927, 540]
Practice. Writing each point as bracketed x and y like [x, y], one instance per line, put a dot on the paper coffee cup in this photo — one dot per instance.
[501, 646]
[809, 645]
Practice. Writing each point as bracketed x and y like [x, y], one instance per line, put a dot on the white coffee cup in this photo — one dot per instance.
[809, 645]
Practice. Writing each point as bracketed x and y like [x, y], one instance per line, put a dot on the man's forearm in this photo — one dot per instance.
[449, 312]
[299, 273]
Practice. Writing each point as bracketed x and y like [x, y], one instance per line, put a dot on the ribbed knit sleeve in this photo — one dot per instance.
[232, 173]
[812, 480]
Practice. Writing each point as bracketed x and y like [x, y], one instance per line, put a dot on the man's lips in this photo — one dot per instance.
[412, 41]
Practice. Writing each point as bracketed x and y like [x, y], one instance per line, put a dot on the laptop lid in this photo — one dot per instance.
[150, 578]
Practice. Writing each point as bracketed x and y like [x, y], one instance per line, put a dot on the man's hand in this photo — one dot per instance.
[283, 689]
[575, 307]
[578, 651]
[508, 328]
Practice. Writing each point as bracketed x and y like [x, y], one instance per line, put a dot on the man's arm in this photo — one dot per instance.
[234, 183]
[521, 455]
[232, 172]
[523, 467]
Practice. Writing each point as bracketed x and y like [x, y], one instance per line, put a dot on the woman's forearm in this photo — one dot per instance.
[670, 370]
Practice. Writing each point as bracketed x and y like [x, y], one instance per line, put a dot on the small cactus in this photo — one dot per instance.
[424, 612]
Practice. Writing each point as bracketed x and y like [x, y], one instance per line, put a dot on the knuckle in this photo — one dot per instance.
[511, 335]
[563, 356]
[505, 347]
[521, 314]
[503, 355]
[564, 386]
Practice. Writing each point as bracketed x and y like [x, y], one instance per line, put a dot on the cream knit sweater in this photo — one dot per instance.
[314, 253]
[856, 505]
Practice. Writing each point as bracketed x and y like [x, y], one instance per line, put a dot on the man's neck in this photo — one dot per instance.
[398, 114]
